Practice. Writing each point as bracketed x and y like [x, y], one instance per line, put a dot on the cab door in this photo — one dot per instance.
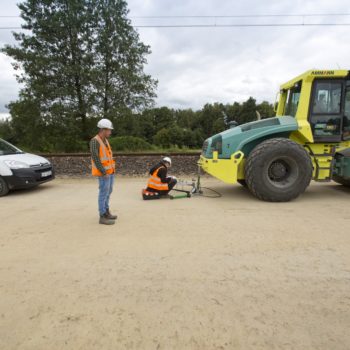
[346, 120]
[327, 110]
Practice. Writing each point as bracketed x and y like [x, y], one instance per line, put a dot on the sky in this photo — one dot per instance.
[195, 66]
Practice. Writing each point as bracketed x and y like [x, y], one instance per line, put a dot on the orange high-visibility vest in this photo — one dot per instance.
[106, 157]
[155, 182]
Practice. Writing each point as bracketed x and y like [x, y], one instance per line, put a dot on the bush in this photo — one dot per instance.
[162, 138]
[129, 143]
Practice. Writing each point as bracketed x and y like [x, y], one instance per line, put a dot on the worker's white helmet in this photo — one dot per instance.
[167, 159]
[105, 124]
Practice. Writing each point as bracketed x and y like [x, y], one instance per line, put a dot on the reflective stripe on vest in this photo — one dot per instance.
[155, 182]
[106, 157]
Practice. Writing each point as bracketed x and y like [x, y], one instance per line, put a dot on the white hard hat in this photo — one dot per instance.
[105, 124]
[167, 159]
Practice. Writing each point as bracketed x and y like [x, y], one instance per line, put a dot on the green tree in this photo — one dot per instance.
[162, 138]
[80, 59]
[120, 58]
[248, 111]
[176, 136]
[6, 130]
[163, 118]
[266, 109]
[209, 117]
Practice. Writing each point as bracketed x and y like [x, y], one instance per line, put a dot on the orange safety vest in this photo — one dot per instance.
[106, 157]
[155, 182]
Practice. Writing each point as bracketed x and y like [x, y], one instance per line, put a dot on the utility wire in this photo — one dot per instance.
[231, 16]
[225, 25]
[248, 16]
[228, 25]
[241, 25]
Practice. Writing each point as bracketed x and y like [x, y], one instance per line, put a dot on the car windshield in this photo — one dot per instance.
[7, 148]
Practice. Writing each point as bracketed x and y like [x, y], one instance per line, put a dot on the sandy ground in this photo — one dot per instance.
[199, 273]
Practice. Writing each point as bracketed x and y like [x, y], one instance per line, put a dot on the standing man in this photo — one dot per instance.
[103, 167]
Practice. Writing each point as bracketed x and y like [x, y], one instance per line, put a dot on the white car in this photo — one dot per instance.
[21, 170]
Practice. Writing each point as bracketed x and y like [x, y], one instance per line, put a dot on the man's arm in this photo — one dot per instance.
[95, 155]
[162, 173]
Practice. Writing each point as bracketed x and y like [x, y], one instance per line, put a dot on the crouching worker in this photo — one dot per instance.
[160, 183]
[103, 167]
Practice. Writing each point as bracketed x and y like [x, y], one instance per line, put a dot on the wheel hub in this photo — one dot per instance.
[278, 171]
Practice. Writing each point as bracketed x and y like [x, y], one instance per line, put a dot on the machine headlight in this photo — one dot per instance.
[15, 164]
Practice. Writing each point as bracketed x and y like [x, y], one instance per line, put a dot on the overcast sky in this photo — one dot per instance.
[199, 65]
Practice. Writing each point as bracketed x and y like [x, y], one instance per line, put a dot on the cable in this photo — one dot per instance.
[231, 16]
[248, 16]
[216, 193]
[227, 25]
[242, 25]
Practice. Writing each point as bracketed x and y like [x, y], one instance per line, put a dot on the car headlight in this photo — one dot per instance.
[15, 164]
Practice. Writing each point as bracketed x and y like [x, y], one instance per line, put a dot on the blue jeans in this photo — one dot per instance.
[105, 190]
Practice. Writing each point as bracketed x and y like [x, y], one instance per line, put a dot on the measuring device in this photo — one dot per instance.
[195, 185]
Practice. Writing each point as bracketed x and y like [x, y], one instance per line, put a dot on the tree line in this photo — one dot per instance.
[152, 129]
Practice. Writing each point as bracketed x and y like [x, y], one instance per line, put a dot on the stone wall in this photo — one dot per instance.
[128, 165]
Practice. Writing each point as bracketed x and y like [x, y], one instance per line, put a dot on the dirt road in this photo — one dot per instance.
[199, 273]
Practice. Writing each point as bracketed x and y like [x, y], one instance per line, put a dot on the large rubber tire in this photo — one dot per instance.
[4, 189]
[341, 180]
[278, 170]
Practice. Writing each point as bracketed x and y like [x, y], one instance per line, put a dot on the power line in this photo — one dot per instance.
[242, 25]
[248, 16]
[228, 25]
[225, 25]
[229, 16]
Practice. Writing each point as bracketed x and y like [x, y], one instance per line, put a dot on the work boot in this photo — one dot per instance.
[105, 220]
[111, 216]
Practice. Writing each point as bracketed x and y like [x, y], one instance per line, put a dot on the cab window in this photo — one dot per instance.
[346, 122]
[326, 113]
[293, 100]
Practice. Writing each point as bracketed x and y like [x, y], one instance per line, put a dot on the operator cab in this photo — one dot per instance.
[328, 107]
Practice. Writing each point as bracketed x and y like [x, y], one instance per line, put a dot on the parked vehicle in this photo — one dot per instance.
[21, 170]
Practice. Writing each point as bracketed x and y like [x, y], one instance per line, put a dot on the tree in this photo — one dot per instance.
[6, 130]
[176, 136]
[80, 59]
[266, 110]
[162, 138]
[120, 58]
[248, 111]
[163, 118]
[209, 117]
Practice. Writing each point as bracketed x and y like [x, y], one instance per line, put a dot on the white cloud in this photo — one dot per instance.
[4, 116]
[8, 84]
